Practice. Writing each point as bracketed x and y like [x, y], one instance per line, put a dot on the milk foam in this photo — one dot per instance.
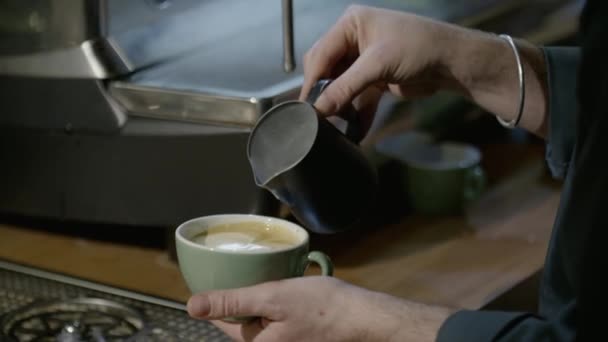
[236, 238]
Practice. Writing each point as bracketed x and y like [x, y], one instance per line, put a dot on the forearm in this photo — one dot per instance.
[483, 67]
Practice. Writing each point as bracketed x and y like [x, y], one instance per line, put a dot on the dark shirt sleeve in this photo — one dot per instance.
[471, 326]
[482, 326]
[562, 68]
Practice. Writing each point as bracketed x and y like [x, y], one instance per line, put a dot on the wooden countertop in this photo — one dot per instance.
[458, 261]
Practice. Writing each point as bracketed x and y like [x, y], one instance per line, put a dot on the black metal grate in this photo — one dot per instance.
[166, 321]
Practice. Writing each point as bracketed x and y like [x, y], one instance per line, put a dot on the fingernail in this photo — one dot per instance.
[198, 306]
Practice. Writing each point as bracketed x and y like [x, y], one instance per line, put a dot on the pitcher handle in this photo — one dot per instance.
[354, 129]
[317, 89]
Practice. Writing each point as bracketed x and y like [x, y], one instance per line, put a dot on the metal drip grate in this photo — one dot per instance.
[42, 306]
[81, 319]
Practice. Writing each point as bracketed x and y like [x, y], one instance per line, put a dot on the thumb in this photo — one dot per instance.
[365, 71]
[251, 301]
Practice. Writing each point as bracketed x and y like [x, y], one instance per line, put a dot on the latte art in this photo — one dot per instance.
[240, 242]
[247, 237]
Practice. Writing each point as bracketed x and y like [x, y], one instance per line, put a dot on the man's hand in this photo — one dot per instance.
[317, 309]
[370, 50]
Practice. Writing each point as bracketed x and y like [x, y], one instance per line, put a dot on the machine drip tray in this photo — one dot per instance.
[37, 305]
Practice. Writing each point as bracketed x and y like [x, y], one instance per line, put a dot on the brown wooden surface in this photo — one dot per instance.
[459, 261]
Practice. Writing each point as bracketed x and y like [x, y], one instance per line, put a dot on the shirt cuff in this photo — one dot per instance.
[562, 73]
[470, 326]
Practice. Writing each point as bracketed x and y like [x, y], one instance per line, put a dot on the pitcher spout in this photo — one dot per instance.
[278, 190]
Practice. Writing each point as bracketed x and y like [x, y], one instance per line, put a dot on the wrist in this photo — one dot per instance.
[420, 322]
[394, 319]
[473, 60]
[482, 67]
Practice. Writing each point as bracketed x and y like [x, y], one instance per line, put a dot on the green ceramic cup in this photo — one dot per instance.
[205, 269]
[443, 179]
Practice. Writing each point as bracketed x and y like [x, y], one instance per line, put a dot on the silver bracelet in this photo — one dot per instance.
[522, 85]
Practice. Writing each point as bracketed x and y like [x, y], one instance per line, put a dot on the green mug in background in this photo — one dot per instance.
[439, 178]
[205, 268]
[442, 179]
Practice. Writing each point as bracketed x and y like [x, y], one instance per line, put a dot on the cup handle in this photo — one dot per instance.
[475, 182]
[321, 259]
[354, 129]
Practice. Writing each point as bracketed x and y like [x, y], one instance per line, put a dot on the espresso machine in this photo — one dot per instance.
[138, 112]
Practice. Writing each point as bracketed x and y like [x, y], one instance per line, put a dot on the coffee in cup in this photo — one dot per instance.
[248, 236]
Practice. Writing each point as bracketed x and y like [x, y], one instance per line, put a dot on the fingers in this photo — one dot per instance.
[365, 71]
[367, 104]
[337, 43]
[231, 329]
[340, 46]
[241, 332]
[414, 90]
[249, 301]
